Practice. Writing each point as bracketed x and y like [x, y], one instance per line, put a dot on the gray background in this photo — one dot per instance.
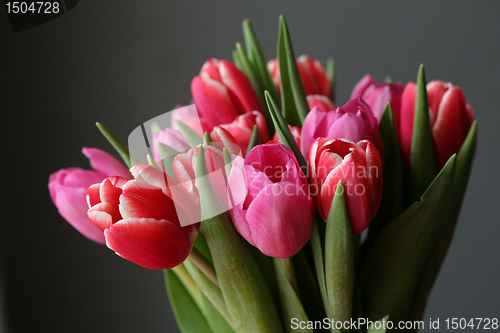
[122, 63]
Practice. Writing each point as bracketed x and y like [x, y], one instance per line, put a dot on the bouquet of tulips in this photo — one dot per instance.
[271, 209]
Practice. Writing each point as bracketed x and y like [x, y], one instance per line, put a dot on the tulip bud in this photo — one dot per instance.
[222, 92]
[450, 118]
[242, 127]
[353, 121]
[321, 102]
[68, 188]
[273, 209]
[140, 220]
[377, 96]
[359, 168]
[312, 73]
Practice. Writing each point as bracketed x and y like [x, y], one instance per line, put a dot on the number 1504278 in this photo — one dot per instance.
[38, 7]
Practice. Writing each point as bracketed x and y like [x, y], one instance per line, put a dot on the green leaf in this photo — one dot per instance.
[434, 262]
[391, 205]
[254, 140]
[283, 130]
[209, 289]
[189, 317]
[423, 167]
[317, 250]
[254, 78]
[290, 302]
[288, 106]
[118, 144]
[206, 139]
[297, 89]
[167, 155]
[394, 264]
[191, 136]
[152, 162]
[330, 73]
[155, 127]
[246, 294]
[236, 60]
[256, 57]
[215, 320]
[201, 245]
[339, 258]
[227, 161]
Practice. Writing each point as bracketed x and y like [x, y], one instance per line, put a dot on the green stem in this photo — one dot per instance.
[204, 265]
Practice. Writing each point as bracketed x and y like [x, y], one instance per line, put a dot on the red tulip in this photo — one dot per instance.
[360, 169]
[222, 92]
[377, 96]
[68, 188]
[273, 209]
[353, 121]
[449, 114]
[312, 73]
[242, 127]
[321, 102]
[140, 220]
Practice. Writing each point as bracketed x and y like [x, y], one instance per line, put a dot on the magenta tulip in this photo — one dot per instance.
[354, 121]
[359, 168]
[312, 74]
[68, 188]
[377, 96]
[273, 209]
[450, 119]
[222, 92]
[140, 220]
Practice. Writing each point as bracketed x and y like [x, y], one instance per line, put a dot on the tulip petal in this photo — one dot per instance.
[105, 163]
[72, 206]
[103, 215]
[150, 243]
[139, 202]
[280, 220]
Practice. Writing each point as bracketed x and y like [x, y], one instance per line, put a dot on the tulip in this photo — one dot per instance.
[189, 115]
[354, 121]
[377, 96]
[140, 220]
[321, 102]
[272, 210]
[68, 188]
[184, 168]
[450, 119]
[312, 74]
[222, 92]
[296, 132]
[242, 127]
[358, 166]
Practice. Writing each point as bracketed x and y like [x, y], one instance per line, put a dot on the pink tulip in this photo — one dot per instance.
[360, 169]
[273, 209]
[449, 114]
[354, 121]
[296, 132]
[321, 102]
[312, 73]
[242, 127]
[377, 96]
[68, 188]
[140, 220]
[189, 116]
[222, 92]
[184, 167]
